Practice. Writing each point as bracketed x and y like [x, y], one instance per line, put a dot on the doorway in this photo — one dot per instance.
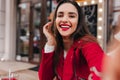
[28, 30]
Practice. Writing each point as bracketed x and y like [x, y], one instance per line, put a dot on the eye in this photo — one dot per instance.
[72, 16]
[60, 15]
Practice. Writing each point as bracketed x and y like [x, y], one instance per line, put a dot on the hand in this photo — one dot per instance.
[118, 23]
[49, 34]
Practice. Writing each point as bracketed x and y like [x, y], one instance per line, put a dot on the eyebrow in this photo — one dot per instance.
[68, 13]
[73, 13]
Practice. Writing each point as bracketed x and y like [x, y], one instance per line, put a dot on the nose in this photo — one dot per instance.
[65, 19]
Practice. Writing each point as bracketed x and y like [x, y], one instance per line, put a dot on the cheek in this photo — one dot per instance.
[57, 22]
[75, 23]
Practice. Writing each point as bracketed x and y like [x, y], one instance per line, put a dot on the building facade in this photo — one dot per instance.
[7, 29]
[13, 15]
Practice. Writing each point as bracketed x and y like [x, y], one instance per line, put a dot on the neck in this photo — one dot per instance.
[67, 42]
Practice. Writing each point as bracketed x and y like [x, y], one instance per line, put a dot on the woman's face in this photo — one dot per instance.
[66, 19]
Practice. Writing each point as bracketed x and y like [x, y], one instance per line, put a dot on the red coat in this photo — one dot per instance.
[84, 60]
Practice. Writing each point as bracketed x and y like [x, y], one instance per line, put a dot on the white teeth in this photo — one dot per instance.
[65, 26]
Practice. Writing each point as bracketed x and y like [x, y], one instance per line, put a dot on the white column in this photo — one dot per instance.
[10, 30]
[2, 28]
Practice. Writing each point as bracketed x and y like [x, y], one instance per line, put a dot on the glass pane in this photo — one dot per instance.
[36, 31]
[23, 39]
[91, 18]
[36, 25]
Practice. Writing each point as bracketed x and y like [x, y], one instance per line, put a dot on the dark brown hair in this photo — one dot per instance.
[81, 30]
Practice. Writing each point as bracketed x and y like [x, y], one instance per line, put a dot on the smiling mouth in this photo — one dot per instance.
[65, 27]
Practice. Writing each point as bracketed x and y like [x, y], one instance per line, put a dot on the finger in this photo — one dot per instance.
[48, 26]
[47, 29]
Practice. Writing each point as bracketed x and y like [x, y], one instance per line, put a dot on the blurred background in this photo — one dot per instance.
[21, 22]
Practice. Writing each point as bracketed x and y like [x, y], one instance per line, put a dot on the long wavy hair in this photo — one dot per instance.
[81, 30]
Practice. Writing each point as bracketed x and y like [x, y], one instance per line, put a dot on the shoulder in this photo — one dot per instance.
[87, 41]
[88, 38]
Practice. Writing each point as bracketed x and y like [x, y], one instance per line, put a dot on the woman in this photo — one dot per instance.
[70, 53]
